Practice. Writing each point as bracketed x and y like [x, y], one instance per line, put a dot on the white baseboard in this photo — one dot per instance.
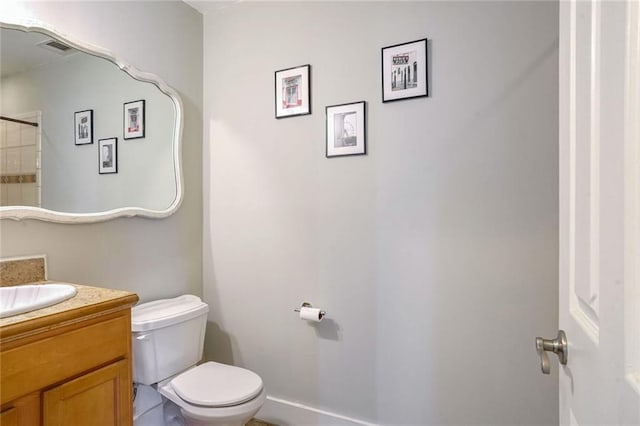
[286, 413]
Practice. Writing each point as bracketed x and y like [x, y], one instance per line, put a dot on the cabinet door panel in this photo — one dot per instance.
[9, 417]
[24, 411]
[100, 398]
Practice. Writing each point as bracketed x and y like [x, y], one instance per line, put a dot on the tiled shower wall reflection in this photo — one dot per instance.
[20, 172]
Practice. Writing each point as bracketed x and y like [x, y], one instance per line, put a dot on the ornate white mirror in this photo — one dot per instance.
[84, 137]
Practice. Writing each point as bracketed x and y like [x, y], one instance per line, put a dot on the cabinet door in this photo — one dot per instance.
[23, 411]
[99, 398]
[9, 417]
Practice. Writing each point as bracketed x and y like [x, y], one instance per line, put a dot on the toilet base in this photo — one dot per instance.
[188, 421]
[175, 416]
[172, 414]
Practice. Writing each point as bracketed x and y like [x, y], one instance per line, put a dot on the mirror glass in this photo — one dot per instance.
[81, 139]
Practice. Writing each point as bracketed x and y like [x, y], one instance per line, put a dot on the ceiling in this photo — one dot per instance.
[19, 51]
[204, 6]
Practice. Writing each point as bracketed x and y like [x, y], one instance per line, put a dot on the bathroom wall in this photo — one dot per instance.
[70, 178]
[435, 254]
[155, 258]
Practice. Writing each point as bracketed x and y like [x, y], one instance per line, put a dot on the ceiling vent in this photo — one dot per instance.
[57, 47]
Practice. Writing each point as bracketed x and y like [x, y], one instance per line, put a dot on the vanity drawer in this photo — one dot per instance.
[49, 360]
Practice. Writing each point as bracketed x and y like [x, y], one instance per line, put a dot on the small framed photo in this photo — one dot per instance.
[83, 121]
[346, 131]
[293, 91]
[404, 71]
[108, 156]
[134, 120]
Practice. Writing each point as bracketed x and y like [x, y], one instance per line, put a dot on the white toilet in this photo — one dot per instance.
[168, 340]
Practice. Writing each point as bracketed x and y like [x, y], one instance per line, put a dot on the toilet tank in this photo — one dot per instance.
[168, 337]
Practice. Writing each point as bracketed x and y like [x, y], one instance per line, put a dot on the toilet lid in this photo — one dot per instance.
[217, 385]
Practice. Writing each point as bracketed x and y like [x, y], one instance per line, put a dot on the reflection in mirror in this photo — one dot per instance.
[58, 100]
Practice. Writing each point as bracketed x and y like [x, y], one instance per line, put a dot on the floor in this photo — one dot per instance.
[256, 422]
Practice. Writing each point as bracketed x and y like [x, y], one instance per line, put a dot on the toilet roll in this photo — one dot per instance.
[311, 314]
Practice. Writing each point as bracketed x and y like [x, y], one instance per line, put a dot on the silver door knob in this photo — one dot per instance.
[558, 346]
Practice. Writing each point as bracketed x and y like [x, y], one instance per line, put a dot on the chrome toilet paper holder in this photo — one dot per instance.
[309, 305]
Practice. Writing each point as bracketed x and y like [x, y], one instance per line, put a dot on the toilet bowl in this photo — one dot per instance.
[203, 403]
[168, 339]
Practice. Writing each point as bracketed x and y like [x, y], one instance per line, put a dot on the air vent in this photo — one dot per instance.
[56, 46]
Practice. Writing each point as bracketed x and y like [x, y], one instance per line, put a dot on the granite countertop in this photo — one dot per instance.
[88, 301]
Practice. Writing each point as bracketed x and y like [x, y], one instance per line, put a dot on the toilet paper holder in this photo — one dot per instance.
[308, 305]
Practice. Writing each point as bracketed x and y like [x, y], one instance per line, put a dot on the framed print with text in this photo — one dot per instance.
[404, 71]
[83, 121]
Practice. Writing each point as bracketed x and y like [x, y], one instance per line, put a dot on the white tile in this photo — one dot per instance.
[28, 159]
[3, 160]
[14, 194]
[13, 134]
[13, 161]
[28, 136]
[4, 194]
[3, 134]
[29, 194]
[31, 117]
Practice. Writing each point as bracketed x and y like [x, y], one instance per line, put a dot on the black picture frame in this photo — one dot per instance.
[83, 127]
[133, 120]
[346, 129]
[293, 91]
[108, 156]
[405, 73]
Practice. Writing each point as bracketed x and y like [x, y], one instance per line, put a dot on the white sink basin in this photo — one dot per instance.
[24, 298]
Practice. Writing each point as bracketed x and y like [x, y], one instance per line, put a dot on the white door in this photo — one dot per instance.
[600, 212]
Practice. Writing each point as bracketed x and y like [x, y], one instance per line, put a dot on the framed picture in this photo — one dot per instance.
[293, 91]
[134, 120]
[108, 156]
[83, 123]
[346, 131]
[404, 71]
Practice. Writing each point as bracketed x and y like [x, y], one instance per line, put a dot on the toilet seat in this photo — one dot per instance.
[231, 414]
[216, 385]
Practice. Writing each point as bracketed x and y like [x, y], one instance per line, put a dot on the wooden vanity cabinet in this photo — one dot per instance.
[73, 373]
[96, 398]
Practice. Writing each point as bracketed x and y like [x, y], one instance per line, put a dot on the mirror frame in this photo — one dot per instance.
[26, 212]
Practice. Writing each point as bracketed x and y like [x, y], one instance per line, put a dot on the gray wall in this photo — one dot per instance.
[435, 254]
[154, 258]
[70, 178]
